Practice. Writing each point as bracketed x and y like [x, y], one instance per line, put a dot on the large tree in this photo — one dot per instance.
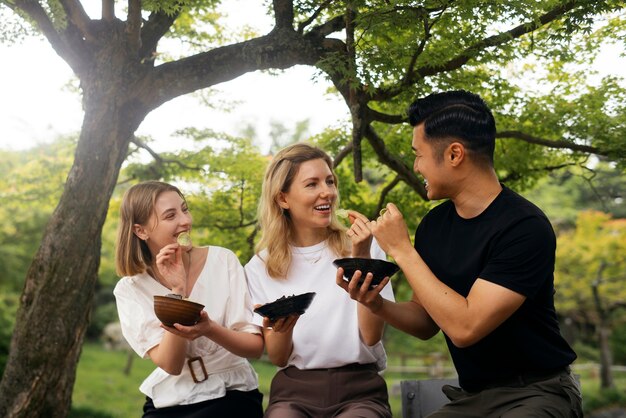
[591, 261]
[378, 55]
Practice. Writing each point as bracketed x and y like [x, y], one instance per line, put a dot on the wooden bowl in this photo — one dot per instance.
[171, 310]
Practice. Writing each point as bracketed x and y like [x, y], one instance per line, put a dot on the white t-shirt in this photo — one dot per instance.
[221, 287]
[327, 334]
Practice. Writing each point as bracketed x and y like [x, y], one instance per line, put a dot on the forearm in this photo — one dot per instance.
[243, 344]
[361, 250]
[408, 317]
[445, 306]
[170, 354]
[371, 325]
[278, 346]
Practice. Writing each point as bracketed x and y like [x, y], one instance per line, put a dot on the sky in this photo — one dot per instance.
[36, 105]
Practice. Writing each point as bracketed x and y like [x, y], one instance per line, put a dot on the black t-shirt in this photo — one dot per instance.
[512, 244]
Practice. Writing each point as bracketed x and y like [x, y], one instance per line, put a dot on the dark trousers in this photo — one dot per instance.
[558, 396]
[234, 404]
[354, 390]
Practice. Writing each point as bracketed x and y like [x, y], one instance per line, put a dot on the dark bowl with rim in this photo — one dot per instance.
[379, 268]
[285, 306]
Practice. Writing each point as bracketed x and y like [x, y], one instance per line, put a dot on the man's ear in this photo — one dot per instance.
[140, 232]
[282, 202]
[456, 153]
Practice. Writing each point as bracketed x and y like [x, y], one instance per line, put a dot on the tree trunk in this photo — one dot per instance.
[604, 331]
[118, 92]
[59, 287]
[606, 359]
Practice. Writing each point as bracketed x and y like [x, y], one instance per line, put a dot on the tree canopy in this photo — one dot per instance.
[378, 55]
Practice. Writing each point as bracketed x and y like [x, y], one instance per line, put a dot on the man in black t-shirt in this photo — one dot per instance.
[481, 270]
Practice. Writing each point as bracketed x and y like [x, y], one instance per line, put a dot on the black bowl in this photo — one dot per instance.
[285, 306]
[379, 268]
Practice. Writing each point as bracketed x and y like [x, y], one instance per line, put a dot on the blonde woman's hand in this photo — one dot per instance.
[281, 325]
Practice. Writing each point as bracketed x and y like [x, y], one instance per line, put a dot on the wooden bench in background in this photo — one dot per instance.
[421, 397]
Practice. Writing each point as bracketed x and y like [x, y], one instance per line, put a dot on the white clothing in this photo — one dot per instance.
[221, 287]
[327, 334]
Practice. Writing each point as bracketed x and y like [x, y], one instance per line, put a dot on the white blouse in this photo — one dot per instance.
[221, 287]
[327, 334]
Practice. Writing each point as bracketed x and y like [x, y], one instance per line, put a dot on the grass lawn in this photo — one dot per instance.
[103, 390]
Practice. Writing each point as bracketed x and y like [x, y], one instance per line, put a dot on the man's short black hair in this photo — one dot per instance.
[456, 115]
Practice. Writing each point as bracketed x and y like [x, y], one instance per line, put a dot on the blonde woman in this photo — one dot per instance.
[202, 370]
[329, 358]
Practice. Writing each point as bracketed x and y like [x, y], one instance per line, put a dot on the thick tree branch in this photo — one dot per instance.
[160, 160]
[406, 173]
[383, 196]
[549, 143]
[39, 16]
[157, 25]
[78, 17]
[278, 50]
[375, 115]
[336, 24]
[133, 25]
[385, 93]
[355, 103]
[345, 151]
[514, 175]
[108, 10]
[283, 14]
[314, 16]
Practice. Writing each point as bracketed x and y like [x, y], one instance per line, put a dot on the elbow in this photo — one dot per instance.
[464, 338]
[279, 362]
[423, 330]
[257, 348]
[424, 334]
[371, 338]
[460, 343]
[370, 341]
[173, 370]
[256, 354]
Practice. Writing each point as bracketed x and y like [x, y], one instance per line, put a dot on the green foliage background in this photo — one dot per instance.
[539, 85]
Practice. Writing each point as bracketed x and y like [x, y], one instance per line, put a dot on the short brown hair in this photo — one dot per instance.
[132, 255]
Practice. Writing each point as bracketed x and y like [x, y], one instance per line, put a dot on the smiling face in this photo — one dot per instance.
[309, 200]
[170, 218]
[430, 164]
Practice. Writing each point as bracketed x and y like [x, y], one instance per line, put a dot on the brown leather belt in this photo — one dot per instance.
[193, 373]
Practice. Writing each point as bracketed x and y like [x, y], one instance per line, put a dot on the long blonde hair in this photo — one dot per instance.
[276, 225]
[132, 255]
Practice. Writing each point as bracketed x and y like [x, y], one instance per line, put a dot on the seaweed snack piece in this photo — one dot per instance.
[342, 213]
[184, 239]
